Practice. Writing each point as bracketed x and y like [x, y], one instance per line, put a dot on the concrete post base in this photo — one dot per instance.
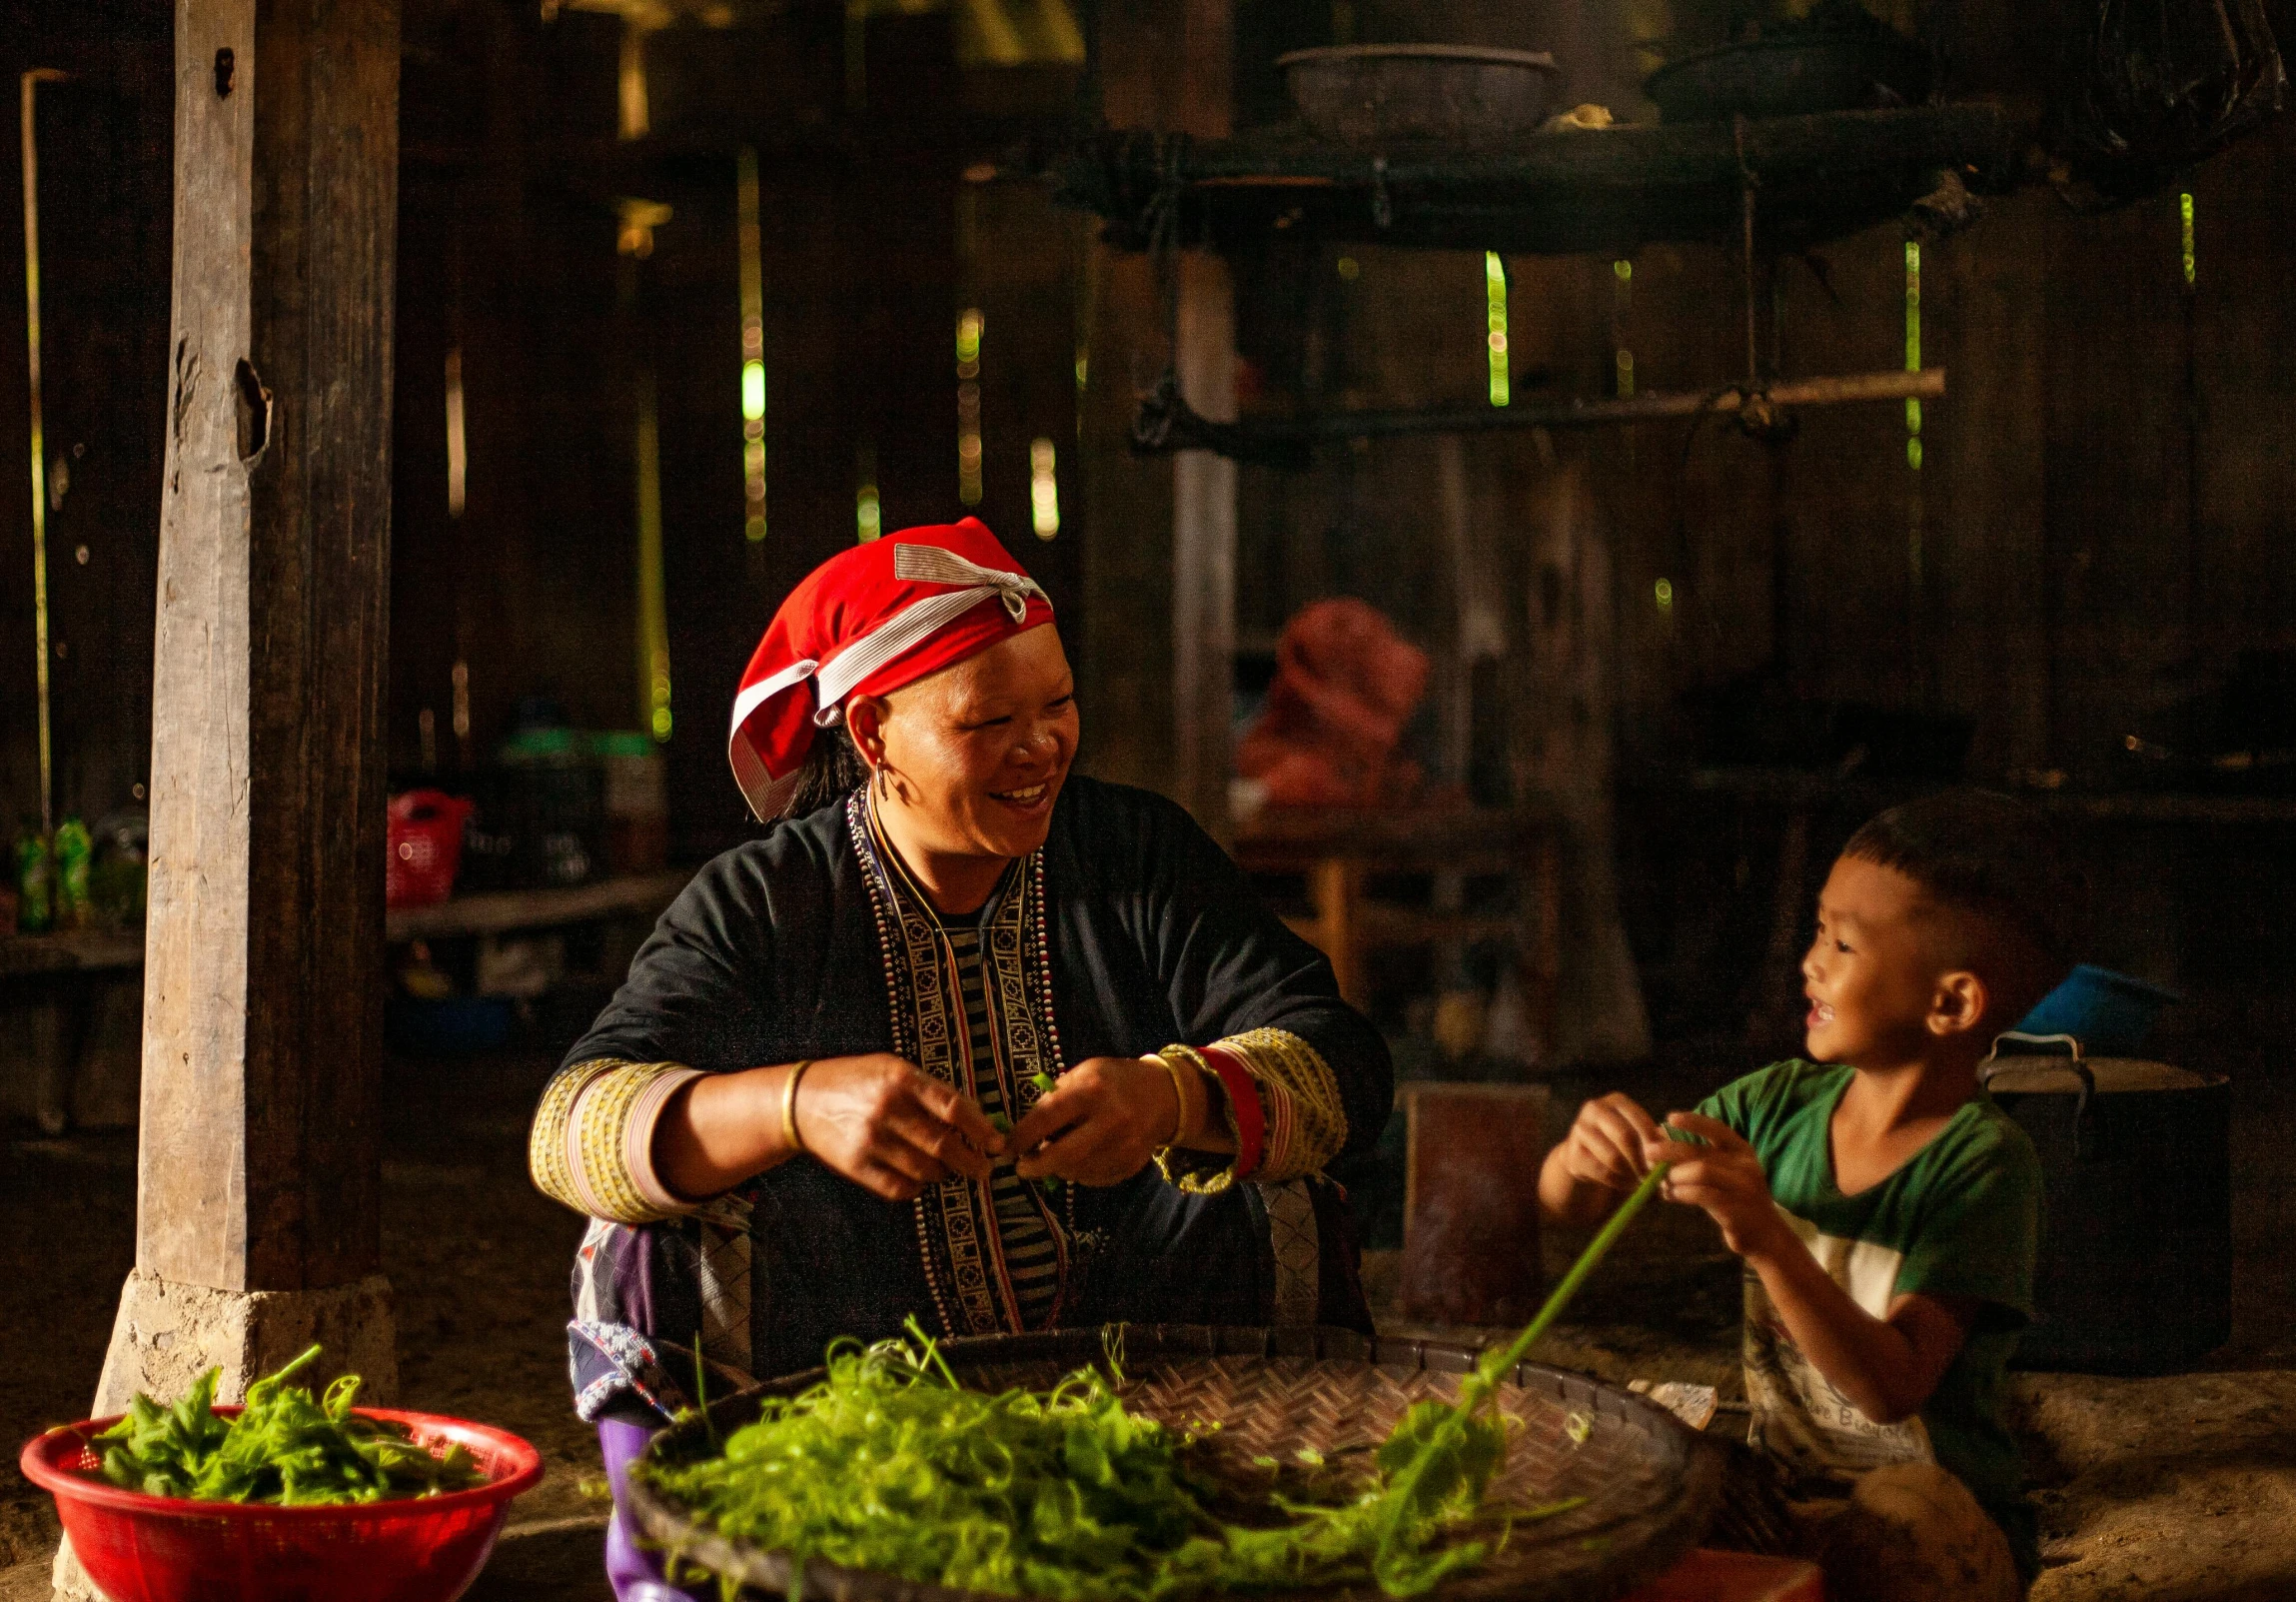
[167, 1335]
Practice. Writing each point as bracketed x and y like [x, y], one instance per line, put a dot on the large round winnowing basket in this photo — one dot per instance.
[1650, 1485]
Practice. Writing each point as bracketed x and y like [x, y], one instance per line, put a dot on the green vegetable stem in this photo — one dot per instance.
[889, 1464]
[284, 1448]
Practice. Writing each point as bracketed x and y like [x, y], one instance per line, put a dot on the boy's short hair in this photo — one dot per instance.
[1986, 853]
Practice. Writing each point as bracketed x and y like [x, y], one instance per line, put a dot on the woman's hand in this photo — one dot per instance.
[1101, 1123]
[890, 1129]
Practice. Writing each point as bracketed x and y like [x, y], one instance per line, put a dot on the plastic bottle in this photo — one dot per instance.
[35, 882]
[74, 851]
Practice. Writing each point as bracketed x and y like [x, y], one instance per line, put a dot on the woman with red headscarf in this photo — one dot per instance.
[962, 1035]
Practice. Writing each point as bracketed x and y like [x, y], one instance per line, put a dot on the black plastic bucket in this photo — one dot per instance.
[2135, 1274]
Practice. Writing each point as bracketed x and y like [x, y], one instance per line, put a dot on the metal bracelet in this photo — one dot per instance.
[796, 1142]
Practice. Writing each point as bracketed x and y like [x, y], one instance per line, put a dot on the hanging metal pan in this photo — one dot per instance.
[1451, 94]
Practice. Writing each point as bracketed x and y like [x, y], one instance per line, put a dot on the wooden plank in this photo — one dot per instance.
[1204, 485]
[69, 953]
[1850, 389]
[260, 1167]
[500, 911]
[1824, 177]
[1788, 786]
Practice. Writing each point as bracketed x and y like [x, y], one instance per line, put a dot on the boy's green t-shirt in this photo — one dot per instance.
[1960, 1218]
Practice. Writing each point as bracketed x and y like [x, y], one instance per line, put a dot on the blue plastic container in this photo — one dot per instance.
[2110, 1014]
[452, 1026]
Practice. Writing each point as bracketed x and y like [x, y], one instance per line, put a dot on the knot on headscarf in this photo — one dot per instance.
[932, 564]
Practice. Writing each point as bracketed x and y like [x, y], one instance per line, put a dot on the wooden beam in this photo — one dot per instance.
[260, 1166]
[1282, 442]
[1204, 483]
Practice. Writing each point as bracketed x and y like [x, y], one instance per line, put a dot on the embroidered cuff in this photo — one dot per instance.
[1281, 1104]
[593, 1141]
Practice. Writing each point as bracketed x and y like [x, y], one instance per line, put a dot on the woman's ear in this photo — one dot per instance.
[865, 722]
[1959, 1004]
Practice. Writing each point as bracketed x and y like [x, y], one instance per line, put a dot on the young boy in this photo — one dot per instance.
[1886, 1212]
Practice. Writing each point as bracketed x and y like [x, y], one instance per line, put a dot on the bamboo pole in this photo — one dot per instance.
[1927, 384]
[30, 85]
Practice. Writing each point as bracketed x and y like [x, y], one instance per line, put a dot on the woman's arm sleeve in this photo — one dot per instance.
[590, 1147]
[1260, 1010]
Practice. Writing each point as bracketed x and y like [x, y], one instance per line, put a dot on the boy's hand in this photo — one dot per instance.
[1723, 1177]
[1609, 1142]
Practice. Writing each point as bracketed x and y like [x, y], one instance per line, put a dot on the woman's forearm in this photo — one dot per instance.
[721, 1130]
[1201, 1126]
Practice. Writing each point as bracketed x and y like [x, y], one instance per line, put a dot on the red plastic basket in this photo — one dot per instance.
[426, 847]
[142, 1548]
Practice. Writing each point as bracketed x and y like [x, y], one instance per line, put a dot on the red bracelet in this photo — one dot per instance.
[1244, 1096]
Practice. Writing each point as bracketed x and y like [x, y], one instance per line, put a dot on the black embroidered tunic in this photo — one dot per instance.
[1128, 931]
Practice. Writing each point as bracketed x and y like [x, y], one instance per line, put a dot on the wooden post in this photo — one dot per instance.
[1334, 888]
[1564, 753]
[1204, 485]
[256, 1227]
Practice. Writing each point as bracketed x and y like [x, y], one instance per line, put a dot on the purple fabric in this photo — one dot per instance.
[634, 1574]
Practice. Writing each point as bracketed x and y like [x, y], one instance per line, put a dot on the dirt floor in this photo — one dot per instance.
[2180, 1488]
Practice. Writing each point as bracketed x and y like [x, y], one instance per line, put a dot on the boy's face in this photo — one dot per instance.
[1871, 973]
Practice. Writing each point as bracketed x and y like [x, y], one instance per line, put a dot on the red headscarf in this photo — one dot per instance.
[866, 622]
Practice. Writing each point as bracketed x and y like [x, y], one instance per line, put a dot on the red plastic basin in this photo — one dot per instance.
[142, 1548]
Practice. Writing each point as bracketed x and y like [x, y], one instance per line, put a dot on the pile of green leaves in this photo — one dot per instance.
[889, 1464]
[285, 1447]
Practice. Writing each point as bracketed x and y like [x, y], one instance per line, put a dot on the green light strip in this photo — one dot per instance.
[969, 337]
[868, 515]
[30, 89]
[1495, 297]
[1621, 303]
[2191, 257]
[652, 607]
[1913, 351]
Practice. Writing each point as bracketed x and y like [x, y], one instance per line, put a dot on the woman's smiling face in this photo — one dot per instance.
[976, 754]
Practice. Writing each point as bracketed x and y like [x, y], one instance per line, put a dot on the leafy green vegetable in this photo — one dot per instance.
[285, 1447]
[889, 1464]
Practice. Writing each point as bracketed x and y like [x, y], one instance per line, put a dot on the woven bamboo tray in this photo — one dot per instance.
[1651, 1487]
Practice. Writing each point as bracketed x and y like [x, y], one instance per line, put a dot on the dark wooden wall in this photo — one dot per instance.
[514, 171]
[104, 139]
[2073, 570]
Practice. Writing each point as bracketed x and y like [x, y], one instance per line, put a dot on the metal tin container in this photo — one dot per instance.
[2135, 1272]
[1452, 94]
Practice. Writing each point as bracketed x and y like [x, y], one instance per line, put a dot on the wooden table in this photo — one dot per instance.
[57, 987]
[1338, 853]
[501, 912]
[63, 979]
[30, 954]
